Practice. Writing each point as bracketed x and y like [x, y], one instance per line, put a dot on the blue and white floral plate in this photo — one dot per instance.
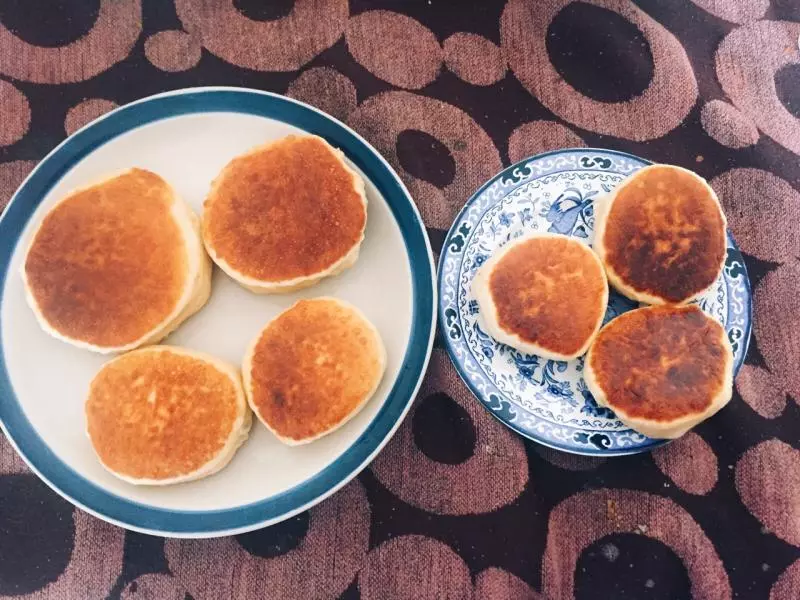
[547, 400]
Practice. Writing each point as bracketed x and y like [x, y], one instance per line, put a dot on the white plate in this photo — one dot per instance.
[187, 137]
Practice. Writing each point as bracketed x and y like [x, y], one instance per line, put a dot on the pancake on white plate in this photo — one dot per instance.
[312, 369]
[163, 414]
[285, 215]
[117, 265]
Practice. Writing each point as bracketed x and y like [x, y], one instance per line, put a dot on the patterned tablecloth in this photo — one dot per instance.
[457, 506]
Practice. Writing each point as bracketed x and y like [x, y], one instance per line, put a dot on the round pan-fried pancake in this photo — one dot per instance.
[162, 415]
[312, 368]
[661, 235]
[285, 215]
[661, 369]
[117, 265]
[543, 294]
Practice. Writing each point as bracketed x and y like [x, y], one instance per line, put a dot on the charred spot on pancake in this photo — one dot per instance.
[288, 210]
[665, 234]
[312, 367]
[108, 264]
[548, 291]
[156, 414]
[660, 363]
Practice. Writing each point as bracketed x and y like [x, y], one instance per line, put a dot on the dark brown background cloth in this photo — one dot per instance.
[457, 506]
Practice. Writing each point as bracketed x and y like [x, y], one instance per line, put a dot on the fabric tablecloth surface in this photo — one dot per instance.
[457, 506]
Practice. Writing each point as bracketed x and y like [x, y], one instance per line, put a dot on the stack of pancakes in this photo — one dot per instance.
[120, 264]
[660, 240]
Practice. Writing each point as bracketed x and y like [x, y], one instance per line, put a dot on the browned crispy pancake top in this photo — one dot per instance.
[660, 363]
[665, 234]
[158, 414]
[285, 211]
[108, 264]
[549, 292]
[312, 366]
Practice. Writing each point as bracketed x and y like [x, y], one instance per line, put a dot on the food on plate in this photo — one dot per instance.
[661, 235]
[661, 369]
[285, 215]
[117, 264]
[162, 415]
[543, 294]
[312, 368]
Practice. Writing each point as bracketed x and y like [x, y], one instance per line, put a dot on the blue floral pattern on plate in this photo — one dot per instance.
[546, 400]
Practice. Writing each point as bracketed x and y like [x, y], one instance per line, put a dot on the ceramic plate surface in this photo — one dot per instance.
[547, 400]
[187, 137]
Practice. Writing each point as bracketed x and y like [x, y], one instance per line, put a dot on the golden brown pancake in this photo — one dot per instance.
[164, 415]
[117, 264]
[313, 368]
[661, 236]
[285, 215]
[543, 294]
[661, 369]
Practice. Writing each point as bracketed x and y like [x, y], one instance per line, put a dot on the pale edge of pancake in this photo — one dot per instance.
[195, 293]
[286, 286]
[488, 311]
[247, 367]
[602, 208]
[238, 435]
[676, 427]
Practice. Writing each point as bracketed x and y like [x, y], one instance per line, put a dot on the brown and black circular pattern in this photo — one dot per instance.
[48, 549]
[481, 472]
[443, 430]
[31, 560]
[12, 174]
[385, 117]
[728, 126]
[85, 112]
[750, 62]
[16, 116]
[630, 565]
[36, 50]
[474, 58]
[327, 89]
[643, 98]
[619, 38]
[457, 506]
[607, 514]
[395, 48]
[313, 555]
[279, 42]
[173, 51]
